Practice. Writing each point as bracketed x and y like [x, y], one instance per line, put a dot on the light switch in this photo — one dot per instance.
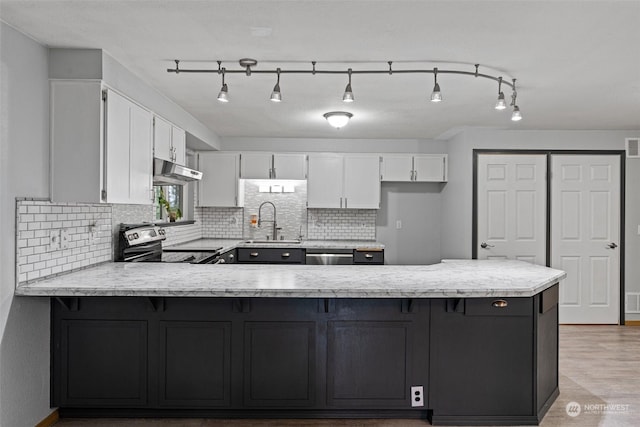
[398, 224]
[639, 229]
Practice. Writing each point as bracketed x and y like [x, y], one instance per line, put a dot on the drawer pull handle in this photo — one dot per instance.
[368, 256]
[254, 254]
[500, 303]
[286, 255]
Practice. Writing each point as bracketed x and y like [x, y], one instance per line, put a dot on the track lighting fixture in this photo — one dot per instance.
[348, 93]
[436, 96]
[516, 115]
[338, 119]
[501, 104]
[276, 96]
[223, 95]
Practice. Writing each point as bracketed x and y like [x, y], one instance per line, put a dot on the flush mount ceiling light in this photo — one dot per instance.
[276, 96]
[338, 119]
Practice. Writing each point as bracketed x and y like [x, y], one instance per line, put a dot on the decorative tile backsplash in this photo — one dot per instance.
[55, 238]
[290, 210]
[341, 224]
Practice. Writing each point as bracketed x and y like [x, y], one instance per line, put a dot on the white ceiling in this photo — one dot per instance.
[577, 62]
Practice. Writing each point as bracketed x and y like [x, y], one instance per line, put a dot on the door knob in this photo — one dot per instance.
[485, 245]
[612, 245]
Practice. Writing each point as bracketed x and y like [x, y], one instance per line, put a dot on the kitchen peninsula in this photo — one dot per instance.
[460, 342]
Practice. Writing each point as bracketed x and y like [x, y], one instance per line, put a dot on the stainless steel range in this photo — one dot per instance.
[143, 243]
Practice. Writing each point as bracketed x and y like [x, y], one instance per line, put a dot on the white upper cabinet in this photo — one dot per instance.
[257, 165]
[349, 181]
[289, 166]
[219, 184]
[101, 145]
[414, 168]
[169, 141]
[361, 181]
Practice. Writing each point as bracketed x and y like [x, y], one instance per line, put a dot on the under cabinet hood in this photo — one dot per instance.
[168, 173]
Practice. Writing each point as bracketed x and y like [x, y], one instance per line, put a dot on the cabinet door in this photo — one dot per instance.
[361, 182]
[397, 167]
[289, 166]
[103, 363]
[255, 165]
[162, 139]
[179, 145]
[219, 184]
[117, 160]
[141, 155]
[324, 183]
[430, 168]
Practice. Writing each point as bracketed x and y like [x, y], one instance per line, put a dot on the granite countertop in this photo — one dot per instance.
[228, 244]
[451, 278]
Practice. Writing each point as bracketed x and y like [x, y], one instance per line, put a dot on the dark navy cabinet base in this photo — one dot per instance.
[305, 358]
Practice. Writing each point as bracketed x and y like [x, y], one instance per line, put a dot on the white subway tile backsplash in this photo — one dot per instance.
[341, 224]
[35, 220]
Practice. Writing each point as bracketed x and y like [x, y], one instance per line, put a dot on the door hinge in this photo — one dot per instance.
[103, 195]
[104, 95]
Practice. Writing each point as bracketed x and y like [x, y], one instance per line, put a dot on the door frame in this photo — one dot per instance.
[549, 153]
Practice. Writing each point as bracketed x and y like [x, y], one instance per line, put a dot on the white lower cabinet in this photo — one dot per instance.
[101, 145]
[414, 168]
[349, 181]
[219, 186]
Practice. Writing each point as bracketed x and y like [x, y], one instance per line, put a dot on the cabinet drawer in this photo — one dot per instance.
[368, 257]
[271, 255]
[498, 306]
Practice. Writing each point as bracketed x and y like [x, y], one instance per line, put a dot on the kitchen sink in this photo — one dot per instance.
[275, 242]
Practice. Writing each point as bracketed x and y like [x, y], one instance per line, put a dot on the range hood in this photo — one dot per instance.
[168, 173]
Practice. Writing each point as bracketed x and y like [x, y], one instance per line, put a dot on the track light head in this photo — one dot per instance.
[348, 92]
[276, 95]
[223, 95]
[338, 119]
[516, 116]
[436, 96]
[501, 104]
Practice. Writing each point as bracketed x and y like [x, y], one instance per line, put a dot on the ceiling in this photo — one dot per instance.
[577, 63]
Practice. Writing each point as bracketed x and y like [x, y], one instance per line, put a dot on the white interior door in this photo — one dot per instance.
[511, 210]
[585, 234]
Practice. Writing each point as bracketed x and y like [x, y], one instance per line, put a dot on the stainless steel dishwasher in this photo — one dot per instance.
[329, 256]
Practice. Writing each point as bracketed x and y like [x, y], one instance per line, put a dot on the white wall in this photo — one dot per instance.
[24, 172]
[457, 195]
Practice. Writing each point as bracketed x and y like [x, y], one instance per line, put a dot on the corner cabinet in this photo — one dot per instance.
[350, 181]
[414, 168]
[101, 145]
[169, 141]
[219, 185]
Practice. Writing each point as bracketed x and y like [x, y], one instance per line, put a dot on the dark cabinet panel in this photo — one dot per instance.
[481, 364]
[368, 257]
[195, 361]
[271, 255]
[103, 363]
[368, 363]
[279, 365]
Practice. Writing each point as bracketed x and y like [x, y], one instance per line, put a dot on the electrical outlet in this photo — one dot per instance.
[64, 238]
[417, 395]
[639, 229]
[54, 240]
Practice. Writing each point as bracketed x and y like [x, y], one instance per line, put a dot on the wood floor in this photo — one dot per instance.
[599, 371]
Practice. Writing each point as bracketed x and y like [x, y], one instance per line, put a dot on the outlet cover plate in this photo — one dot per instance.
[417, 396]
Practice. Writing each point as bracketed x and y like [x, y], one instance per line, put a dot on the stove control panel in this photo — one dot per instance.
[142, 235]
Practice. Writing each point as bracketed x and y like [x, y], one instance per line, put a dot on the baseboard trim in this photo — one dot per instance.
[50, 420]
[632, 323]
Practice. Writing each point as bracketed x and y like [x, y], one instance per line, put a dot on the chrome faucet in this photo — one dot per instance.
[275, 224]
